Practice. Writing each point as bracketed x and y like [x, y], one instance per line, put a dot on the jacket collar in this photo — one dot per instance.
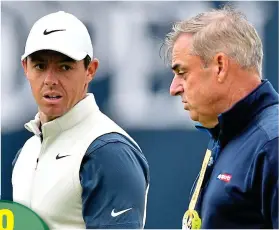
[233, 121]
[73, 117]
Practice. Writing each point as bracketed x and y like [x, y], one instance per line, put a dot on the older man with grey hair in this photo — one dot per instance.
[216, 58]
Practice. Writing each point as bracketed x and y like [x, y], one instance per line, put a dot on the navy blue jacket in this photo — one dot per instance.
[240, 189]
[114, 175]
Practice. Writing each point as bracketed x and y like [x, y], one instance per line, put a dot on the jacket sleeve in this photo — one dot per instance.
[114, 180]
[266, 178]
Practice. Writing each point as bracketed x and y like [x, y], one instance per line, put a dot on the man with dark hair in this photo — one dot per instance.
[79, 169]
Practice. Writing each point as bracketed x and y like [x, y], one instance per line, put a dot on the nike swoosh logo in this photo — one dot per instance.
[59, 157]
[52, 31]
[114, 214]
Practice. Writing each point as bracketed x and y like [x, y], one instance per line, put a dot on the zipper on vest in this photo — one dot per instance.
[43, 145]
[37, 163]
[41, 139]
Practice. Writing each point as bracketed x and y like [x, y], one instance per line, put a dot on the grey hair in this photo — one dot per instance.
[220, 30]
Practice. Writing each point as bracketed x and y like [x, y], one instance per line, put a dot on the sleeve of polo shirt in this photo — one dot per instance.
[113, 179]
[269, 182]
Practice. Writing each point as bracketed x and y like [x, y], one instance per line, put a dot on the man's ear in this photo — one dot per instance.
[92, 68]
[24, 65]
[221, 62]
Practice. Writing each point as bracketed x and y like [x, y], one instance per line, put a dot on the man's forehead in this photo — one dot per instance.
[184, 41]
[180, 60]
[181, 48]
[47, 54]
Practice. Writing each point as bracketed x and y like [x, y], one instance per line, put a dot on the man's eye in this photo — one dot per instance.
[180, 72]
[66, 67]
[40, 66]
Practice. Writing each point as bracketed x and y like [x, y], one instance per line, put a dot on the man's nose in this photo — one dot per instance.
[176, 87]
[51, 77]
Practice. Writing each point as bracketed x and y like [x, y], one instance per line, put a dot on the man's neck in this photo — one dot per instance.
[44, 118]
[241, 91]
[240, 83]
[239, 88]
[210, 123]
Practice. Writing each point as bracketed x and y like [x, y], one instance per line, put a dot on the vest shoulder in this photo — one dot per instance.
[111, 138]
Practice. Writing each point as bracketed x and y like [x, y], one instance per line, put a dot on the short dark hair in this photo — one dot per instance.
[86, 61]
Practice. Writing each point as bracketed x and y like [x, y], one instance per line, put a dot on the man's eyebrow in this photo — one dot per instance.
[175, 67]
[67, 59]
[36, 58]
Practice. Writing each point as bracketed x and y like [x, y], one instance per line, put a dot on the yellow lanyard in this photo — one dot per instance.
[191, 219]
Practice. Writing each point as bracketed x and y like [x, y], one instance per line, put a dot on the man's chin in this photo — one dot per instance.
[194, 116]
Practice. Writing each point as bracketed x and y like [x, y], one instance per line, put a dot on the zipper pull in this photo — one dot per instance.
[37, 163]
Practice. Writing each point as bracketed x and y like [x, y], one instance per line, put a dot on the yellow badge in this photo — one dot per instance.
[191, 220]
